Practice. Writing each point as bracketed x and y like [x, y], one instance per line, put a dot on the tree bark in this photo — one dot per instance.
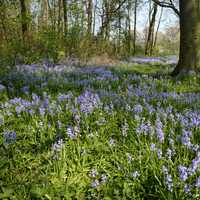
[156, 35]
[135, 26]
[149, 43]
[128, 27]
[65, 17]
[94, 17]
[89, 17]
[24, 23]
[59, 16]
[189, 55]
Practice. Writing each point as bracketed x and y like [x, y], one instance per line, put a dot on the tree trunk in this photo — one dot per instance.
[156, 35]
[135, 27]
[24, 23]
[94, 17]
[128, 28]
[65, 17]
[149, 43]
[65, 24]
[59, 17]
[189, 55]
[89, 17]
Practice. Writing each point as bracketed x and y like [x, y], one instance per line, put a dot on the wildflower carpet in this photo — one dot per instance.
[98, 133]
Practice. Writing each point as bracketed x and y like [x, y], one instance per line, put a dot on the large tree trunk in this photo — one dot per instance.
[189, 56]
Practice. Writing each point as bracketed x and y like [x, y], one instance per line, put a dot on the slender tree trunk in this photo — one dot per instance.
[104, 32]
[189, 56]
[128, 27]
[24, 23]
[156, 35]
[65, 23]
[135, 27]
[119, 32]
[89, 17]
[150, 37]
[65, 17]
[45, 13]
[59, 17]
[94, 17]
[107, 20]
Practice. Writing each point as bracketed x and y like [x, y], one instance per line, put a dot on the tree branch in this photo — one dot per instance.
[167, 5]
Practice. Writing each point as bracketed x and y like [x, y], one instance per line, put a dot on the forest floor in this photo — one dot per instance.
[118, 132]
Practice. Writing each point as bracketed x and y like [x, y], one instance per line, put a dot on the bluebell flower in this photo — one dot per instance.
[19, 109]
[195, 163]
[185, 138]
[198, 182]
[138, 108]
[93, 173]
[159, 153]
[58, 145]
[153, 147]
[169, 153]
[73, 132]
[95, 183]
[36, 99]
[111, 141]
[104, 178]
[183, 172]
[160, 135]
[169, 182]
[42, 111]
[129, 157]
[159, 131]
[164, 169]
[46, 103]
[9, 137]
[187, 189]
[125, 129]
[65, 97]
[25, 89]
[88, 102]
[135, 174]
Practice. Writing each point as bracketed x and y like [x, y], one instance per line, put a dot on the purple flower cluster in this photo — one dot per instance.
[135, 174]
[159, 131]
[145, 128]
[183, 172]
[168, 179]
[98, 178]
[185, 139]
[9, 137]
[138, 108]
[88, 102]
[73, 132]
[57, 147]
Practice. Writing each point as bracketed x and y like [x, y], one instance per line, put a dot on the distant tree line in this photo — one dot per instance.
[54, 29]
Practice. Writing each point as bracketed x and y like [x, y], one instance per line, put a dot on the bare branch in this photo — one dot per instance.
[169, 4]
